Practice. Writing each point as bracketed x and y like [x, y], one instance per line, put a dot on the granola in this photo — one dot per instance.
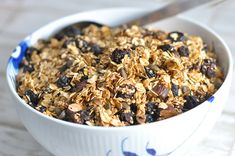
[100, 76]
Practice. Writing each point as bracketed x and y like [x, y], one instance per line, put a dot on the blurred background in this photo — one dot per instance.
[19, 18]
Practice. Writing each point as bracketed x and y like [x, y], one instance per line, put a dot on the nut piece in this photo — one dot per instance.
[74, 108]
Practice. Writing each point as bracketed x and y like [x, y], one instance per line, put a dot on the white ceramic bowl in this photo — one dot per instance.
[173, 136]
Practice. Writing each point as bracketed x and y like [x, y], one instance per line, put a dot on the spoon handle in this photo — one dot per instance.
[172, 9]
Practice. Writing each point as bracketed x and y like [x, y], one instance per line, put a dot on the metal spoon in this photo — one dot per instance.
[172, 9]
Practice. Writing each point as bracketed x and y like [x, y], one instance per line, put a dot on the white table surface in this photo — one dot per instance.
[21, 17]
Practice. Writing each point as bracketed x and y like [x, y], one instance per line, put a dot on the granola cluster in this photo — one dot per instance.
[100, 76]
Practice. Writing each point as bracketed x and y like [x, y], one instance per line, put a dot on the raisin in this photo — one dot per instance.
[33, 98]
[78, 86]
[176, 36]
[28, 68]
[118, 55]
[66, 66]
[97, 50]
[126, 117]
[161, 90]
[183, 51]
[191, 102]
[62, 81]
[174, 89]
[166, 47]
[149, 72]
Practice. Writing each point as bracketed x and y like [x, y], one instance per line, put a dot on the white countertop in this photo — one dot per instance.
[21, 17]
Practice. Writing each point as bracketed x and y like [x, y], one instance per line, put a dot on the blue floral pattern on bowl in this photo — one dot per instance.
[149, 151]
[18, 54]
[211, 99]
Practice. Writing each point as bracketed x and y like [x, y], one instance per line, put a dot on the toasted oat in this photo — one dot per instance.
[117, 77]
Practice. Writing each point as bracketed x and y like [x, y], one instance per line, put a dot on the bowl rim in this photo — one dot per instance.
[99, 128]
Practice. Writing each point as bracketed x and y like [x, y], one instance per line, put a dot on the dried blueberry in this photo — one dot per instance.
[207, 62]
[176, 36]
[97, 50]
[183, 51]
[191, 102]
[174, 89]
[161, 90]
[151, 108]
[149, 72]
[166, 47]
[63, 81]
[118, 55]
[151, 111]
[33, 98]
[85, 115]
[83, 45]
[149, 118]
[29, 52]
[59, 36]
[210, 73]
[68, 42]
[28, 68]
[83, 78]
[70, 31]
[126, 117]
[97, 60]
[133, 108]
[208, 68]
[203, 69]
